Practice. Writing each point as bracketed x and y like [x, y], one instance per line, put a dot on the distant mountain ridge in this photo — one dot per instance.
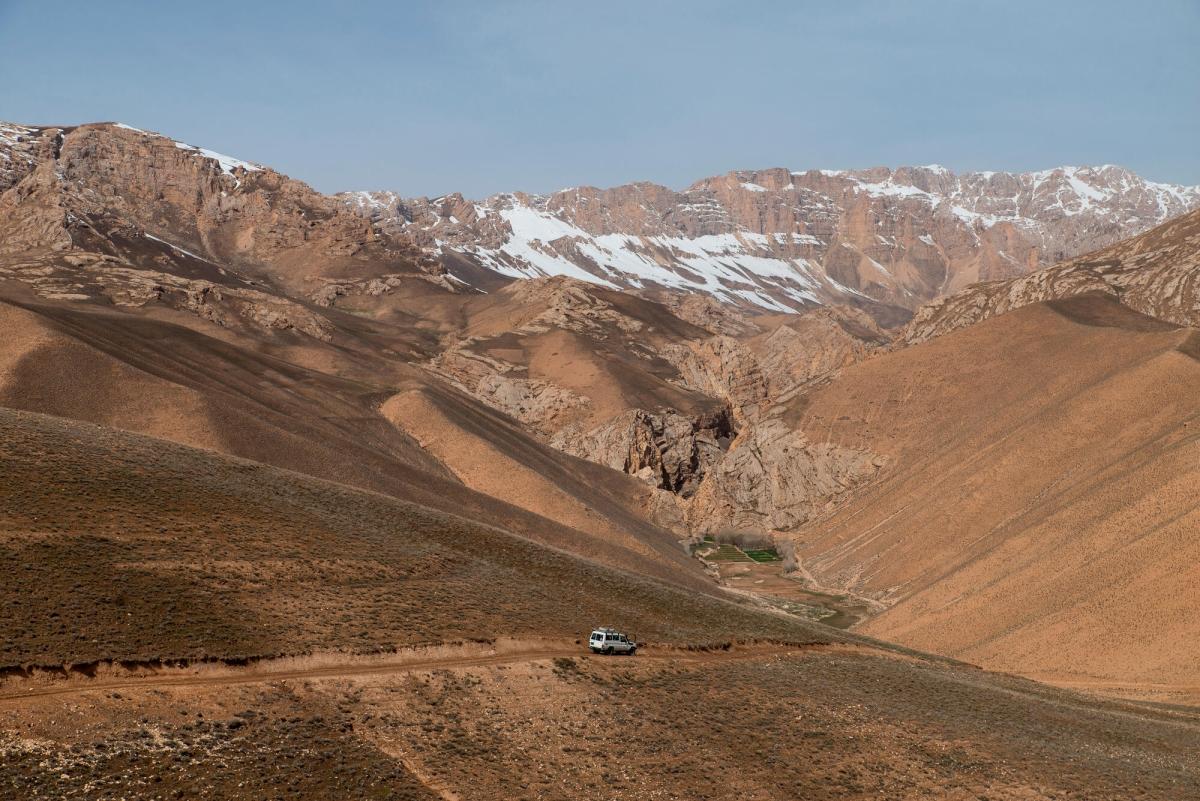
[1156, 273]
[886, 241]
[779, 240]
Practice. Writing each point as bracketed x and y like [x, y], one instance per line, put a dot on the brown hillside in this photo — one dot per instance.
[155, 582]
[1039, 515]
[159, 378]
[118, 546]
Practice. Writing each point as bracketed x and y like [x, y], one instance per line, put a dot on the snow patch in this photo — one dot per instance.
[228, 163]
[175, 247]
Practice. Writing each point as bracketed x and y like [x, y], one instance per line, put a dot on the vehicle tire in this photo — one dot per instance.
[632, 651]
[608, 650]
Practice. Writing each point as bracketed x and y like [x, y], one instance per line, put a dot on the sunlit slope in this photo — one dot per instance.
[1039, 513]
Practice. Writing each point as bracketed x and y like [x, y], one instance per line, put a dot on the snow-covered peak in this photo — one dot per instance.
[11, 134]
[370, 202]
[12, 137]
[988, 198]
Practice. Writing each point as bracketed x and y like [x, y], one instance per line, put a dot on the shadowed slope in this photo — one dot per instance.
[120, 547]
[491, 453]
[162, 379]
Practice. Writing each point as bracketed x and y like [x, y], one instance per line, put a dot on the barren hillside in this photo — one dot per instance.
[288, 479]
[250, 631]
[1036, 515]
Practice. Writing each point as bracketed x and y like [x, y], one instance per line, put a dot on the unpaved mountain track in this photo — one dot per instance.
[13, 691]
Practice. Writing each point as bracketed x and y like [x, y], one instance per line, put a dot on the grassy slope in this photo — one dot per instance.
[823, 724]
[115, 545]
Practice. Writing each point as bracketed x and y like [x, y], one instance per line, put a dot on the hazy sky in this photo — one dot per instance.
[433, 97]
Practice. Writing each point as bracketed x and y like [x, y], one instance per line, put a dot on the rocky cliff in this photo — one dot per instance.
[106, 210]
[884, 240]
[1156, 273]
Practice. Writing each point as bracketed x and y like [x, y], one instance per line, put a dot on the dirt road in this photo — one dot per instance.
[351, 667]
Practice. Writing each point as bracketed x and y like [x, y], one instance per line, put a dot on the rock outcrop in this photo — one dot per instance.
[1157, 273]
[226, 210]
[665, 449]
[776, 478]
[109, 211]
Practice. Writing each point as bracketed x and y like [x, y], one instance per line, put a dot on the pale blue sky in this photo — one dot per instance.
[433, 97]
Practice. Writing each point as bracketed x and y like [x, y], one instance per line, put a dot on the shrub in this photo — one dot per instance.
[787, 551]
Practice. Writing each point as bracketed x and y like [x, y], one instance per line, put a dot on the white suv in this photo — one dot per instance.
[609, 641]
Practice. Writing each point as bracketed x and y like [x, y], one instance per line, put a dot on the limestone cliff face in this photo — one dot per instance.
[776, 478]
[884, 240]
[665, 449]
[774, 475]
[109, 211]
[735, 463]
[1157, 273]
[752, 372]
[34, 215]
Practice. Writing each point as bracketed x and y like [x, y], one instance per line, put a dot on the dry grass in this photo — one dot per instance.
[824, 724]
[244, 756]
[145, 375]
[116, 546]
[819, 727]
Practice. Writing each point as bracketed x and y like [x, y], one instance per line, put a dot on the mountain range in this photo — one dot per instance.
[885, 240]
[372, 466]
